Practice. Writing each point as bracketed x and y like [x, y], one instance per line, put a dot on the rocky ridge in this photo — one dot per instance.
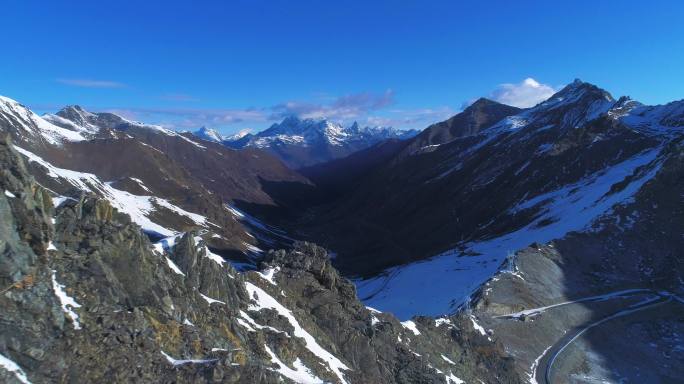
[87, 297]
[166, 181]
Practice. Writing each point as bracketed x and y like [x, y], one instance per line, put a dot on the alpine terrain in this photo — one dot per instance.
[305, 142]
[502, 245]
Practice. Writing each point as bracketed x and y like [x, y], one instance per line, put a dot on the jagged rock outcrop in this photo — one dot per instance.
[88, 298]
[382, 348]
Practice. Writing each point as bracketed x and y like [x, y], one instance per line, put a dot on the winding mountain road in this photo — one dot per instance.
[542, 369]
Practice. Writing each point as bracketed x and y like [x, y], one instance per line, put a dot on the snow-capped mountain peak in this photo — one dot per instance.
[576, 91]
[208, 134]
[76, 114]
[239, 135]
[302, 142]
[31, 127]
[73, 117]
[310, 129]
[323, 129]
[305, 132]
[571, 107]
[72, 123]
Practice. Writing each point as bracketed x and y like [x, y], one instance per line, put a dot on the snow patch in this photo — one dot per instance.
[269, 231]
[164, 245]
[173, 266]
[251, 324]
[67, 302]
[58, 200]
[300, 374]
[140, 184]
[177, 362]
[269, 274]
[197, 219]
[252, 248]
[451, 378]
[210, 300]
[443, 321]
[532, 376]
[14, 368]
[265, 301]
[477, 326]
[137, 207]
[411, 326]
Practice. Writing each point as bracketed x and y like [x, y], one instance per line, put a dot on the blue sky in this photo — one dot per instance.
[234, 65]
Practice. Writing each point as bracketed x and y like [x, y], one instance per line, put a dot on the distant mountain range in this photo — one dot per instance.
[305, 142]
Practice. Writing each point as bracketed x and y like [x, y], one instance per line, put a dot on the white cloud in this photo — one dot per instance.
[527, 93]
[365, 107]
[411, 118]
[89, 83]
[191, 118]
[342, 108]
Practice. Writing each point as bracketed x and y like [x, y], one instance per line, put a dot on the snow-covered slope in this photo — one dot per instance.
[74, 117]
[71, 124]
[443, 283]
[534, 176]
[28, 126]
[106, 124]
[140, 208]
[166, 181]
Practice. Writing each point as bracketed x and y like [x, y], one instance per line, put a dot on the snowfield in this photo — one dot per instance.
[439, 285]
[14, 368]
[137, 207]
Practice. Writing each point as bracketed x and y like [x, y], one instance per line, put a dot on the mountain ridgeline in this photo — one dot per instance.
[503, 245]
[88, 298]
[305, 142]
